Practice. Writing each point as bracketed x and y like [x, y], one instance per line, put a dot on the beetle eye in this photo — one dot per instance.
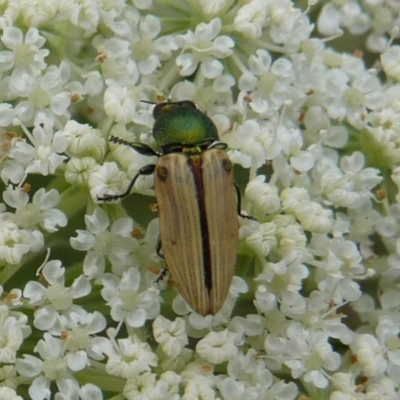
[162, 108]
[158, 110]
[186, 104]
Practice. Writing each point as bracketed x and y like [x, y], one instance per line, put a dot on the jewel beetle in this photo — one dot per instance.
[197, 201]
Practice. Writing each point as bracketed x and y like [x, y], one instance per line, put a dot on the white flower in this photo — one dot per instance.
[117, 65]
[383, 126]
[341, 264]
[291, 238]
[263, 240]
[321, 315]
[90, 392]
[47, 93]
[51, 367]
[344, 387]
[167, 385]
[366, 91]
[250, 369]
[317, 121]
[11, 336]
[54, 308]
[387, 332]
[81, 342]
[329, 19]
[16, 242]
[11, 171]
[381, 387]
[107, 178]
[206, 47]
[270, 83]
[250, 19]
[140, 387]
[348, 14]
[309, 355]
[39, 212]
[170, 335]
[314, 218]
[334, 186]
[115, 242]
[370, 355]
[78, 170]
[347, 186]
[199, 387]
[390, 62]
[83, 140]
[37, 12]
[264, 196]
[127, 300]
[231, 389]
[130, 358]
[252, 325]
[149, 50]
[12, 299]
[94, 83]
[24, 54]
[7, 114]
[84, 14]
[364, 179]
[291, 141]
[43, 155]
[120, 102]
[292, 197]
[213, 7]
[256, 142]
[282, 280]
[7, 393]
[217, 347]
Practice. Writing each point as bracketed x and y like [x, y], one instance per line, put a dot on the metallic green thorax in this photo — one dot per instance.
[181, 124]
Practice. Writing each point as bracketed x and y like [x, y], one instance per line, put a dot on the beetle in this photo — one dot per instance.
[198, 203]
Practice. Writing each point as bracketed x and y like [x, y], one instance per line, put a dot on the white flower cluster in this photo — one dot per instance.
[314, 308]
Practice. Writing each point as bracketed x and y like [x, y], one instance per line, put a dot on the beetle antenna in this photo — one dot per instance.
[147, 102]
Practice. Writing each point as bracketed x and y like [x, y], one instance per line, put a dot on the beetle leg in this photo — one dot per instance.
[239, 204]
[163, 273]
[218, 145]
[139, 147]
[146, 170]
[159, 249]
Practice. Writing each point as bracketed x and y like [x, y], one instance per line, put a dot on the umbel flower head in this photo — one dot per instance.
[87, 309]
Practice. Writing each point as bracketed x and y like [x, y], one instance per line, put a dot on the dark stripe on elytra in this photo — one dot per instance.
[195, 165]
